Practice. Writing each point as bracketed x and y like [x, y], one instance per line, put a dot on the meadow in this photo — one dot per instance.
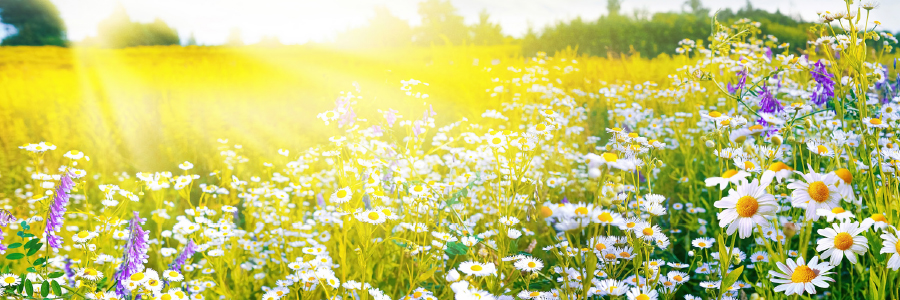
[737, 169]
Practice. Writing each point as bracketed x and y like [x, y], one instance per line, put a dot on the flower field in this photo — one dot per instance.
[738, 169]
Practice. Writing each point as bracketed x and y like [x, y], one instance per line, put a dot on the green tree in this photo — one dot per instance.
[485, 32]
[440, 24]
[613, 7]
[118, 31]
[32, 23]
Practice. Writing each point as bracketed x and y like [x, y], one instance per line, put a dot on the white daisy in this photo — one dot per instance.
[730, 176]
[891, 245]
[843, 240]
[797, 277]
[745, 207]
[477, 269]
[814, 192]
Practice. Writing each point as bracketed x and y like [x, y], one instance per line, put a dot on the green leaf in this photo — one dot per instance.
[34, 250]
[25, 225]
[29, 288]
[39, 261]
[14, 256]
[56, 289]
[26, 235]
[56, 274]
[732, 277]
[456, 248]
[14, 245]
[31, 269]
[45, 289]
[30, 243]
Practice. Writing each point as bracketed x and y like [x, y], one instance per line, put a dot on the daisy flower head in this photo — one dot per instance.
[874, 123]
[477, 269]
[797, 277]
[374, 217]
[835, 213]
[9, 279]
[843, 240]
[607, 217]
[703, 243]
[745, 207]
[648, 232]
[529, 264]
[90, 274]
[341, 196]
[777, 170]
[814, 192]
[612, 287]
[890, 245]
[730, 176]
[645, 293]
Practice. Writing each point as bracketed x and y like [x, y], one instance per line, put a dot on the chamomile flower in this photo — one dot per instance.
[890, 246]
[529, 264]
[814, 192]
[745, 207]
[703, 243]
[835, 213]
[644, 293]
[477, 269]
[842, 240]
[9, 280]
[90, 274]
[797, 277]
[341, 196]
[730, 176]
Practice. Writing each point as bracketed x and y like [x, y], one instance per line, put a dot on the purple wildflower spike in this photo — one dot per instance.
[185, 255]
[135, 254]
[824, 89]
[58, 210]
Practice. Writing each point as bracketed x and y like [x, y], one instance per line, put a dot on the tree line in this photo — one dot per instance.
[37, 22]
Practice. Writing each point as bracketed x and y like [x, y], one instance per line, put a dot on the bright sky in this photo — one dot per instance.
[299, 21]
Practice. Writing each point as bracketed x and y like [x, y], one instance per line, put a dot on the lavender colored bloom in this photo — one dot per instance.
[824, 89]
[58, 210]
[135, 254]
[70, 274]
[390, 117]
[740, 84]
[182, 258]
[767, 101]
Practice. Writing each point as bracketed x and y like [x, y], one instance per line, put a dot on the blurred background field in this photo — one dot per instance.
[144, 96]
[150, 108]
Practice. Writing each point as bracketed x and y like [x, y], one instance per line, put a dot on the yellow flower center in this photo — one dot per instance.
[778, 166]
[475, 268]
[818, 191]
[747, 206]
[701, 244]
[373, 216]
[600, 246]
[875, 121]
[496, 141]
[166, 297]
[756, 127]
[837, 210]
[760, 257]
[605, 217]
[546, 212]
[642, 297]
[749, 165]
[821, 149]
[610, 256]
[531, 264]
[83, 234]
[9, 280]
[418, 188]
[417, 294]
[90, 272]
[625, 254]
[541, 127]
[843, 241]
[803, 274]
[897, 247]
[678, 278]
[879, 218]
[137, 276]
[647, 231]
[631, 224]
[534, 294]
[715, 114]
[844, 174]
[342, 194]
[729, 173]
[610, 157]
[581, 211]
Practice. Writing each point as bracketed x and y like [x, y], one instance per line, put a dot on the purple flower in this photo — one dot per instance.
[135, 254]
[182, 258]
[70, 274]
[767, 101]
[824, 89]
[58, 211]
[390, 116]
[740, 84]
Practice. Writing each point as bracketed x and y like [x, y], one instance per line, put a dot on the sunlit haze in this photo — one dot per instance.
[296, 22]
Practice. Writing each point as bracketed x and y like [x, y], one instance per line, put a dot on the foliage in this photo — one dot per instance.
[32, 22]
[118, 31]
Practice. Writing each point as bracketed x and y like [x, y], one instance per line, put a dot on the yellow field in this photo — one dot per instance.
[149, 108]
